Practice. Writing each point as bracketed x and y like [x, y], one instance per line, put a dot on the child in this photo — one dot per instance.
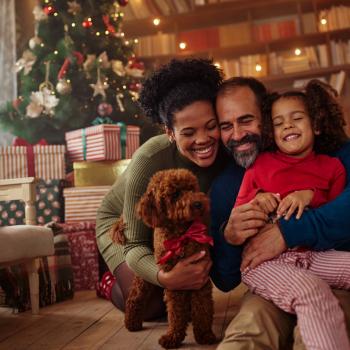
[289, 179]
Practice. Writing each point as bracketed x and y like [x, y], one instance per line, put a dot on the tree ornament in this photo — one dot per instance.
[39, 14]
[73, 7]
[99, 87]
[34, 42]
[26, 62]
[43, 101]
[122, 2]
[64, 87]
[135, 68]
[104, 109]
[118, 68]
[49, 10]
[119, 98]
[135, 87]
[87, 23]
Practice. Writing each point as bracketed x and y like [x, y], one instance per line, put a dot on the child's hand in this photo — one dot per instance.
[267, 201]
[297, 200]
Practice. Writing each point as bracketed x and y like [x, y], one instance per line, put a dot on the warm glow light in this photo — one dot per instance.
[124, 87]
[217, 64]
[89, 19]
[182, 45]
[136, 41]
[98, 33]
[73, 24]
[106, 32]
[258, 68]
[323, 21]
[156, 21]
[55, 52]
[127, 42]
[42, 45]
[55, 14]
[297, 52]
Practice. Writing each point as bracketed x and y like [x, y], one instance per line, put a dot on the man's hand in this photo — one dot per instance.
[244, 222]
[296, 200]
[267, 244]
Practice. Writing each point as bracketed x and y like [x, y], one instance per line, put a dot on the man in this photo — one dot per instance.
[259, 324]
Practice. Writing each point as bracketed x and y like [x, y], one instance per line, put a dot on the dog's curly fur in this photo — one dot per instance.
[171, 203]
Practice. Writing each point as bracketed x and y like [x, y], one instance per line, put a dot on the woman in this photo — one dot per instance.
[180, 96]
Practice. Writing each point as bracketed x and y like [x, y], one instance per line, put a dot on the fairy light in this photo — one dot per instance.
[42, 45]
[182, 45]
[136, 41]
[106, 32]
[55, 52]
[217, 64]
[73, 24]
[323, 21]
[258, 67]
[98, 33]
[297, 52]
[156, 21]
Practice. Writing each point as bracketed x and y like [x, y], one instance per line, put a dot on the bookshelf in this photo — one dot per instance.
[240, 35]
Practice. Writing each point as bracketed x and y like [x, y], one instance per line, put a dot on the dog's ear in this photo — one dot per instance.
[146, 209]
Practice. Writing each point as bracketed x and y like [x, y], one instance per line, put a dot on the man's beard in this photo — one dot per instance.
[245, 158]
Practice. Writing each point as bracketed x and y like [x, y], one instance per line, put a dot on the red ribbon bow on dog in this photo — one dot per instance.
[196, 232]
[30, 152]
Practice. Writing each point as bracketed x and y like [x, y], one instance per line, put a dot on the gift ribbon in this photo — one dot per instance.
[123, 132]
[83, 141]
[18, 141]
[104, 120]
[174, 247]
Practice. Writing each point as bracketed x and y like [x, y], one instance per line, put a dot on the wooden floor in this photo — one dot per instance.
[87, 322]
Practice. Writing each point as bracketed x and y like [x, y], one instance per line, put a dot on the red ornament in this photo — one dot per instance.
[104, 109]
[49, 10]
[123, 2]
[87, 23]
[135, 87]
[133, 63]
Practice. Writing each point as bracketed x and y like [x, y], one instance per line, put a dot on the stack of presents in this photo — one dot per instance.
[98, 155]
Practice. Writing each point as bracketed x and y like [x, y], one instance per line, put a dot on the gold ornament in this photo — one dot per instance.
[64, 87]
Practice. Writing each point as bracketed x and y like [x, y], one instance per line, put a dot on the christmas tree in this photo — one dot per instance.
[77, 67]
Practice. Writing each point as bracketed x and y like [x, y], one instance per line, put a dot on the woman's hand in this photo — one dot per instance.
[188, 273]
[297, 200]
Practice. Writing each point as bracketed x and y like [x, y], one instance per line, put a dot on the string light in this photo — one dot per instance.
[55, 52]
[217, 64]
[156, 21]
[106, 32]
[182, 45]
[55, 14]
[73, 24]
[98, 33]
[297, 52]
[42, 45]
[136, 41]
[258, 68]
[323, 21]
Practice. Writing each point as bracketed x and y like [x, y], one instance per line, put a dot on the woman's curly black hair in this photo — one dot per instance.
[176, 85]
[324, 110]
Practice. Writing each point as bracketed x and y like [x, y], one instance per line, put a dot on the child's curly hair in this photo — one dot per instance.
[176, 85]
[324, 110]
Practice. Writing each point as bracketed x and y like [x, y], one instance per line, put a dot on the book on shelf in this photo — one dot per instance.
[200, 39]
[301, 83]
[337, 81]
[336, 17]
[323, 55]
[234, 34]
[309, 22]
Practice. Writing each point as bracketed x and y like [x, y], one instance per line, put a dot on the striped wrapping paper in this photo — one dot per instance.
[81, 203]
[102, 142]
[49, 162]
[132, 140]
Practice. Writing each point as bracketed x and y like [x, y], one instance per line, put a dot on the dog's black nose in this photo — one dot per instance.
[197, 205]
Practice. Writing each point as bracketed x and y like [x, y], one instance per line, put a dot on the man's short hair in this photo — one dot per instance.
[255, 85]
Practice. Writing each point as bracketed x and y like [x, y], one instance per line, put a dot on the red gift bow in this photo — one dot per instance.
[196, 232]
[18, 141]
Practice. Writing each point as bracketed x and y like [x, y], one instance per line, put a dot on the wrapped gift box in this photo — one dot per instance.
[49, 205]
[99, 142]
[103, 142]
[48, 162]
[132, 140]
[81, 203]
[55, 279]
[102, 173]
[84, 254]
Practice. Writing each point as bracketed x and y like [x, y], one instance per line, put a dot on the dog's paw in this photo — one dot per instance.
[169, 341]
[133, 326]
[206, 338]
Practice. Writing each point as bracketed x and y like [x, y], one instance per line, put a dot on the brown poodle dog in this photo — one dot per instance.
[174, 207]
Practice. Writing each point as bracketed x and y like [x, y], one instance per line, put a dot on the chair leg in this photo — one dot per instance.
[33, 276]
